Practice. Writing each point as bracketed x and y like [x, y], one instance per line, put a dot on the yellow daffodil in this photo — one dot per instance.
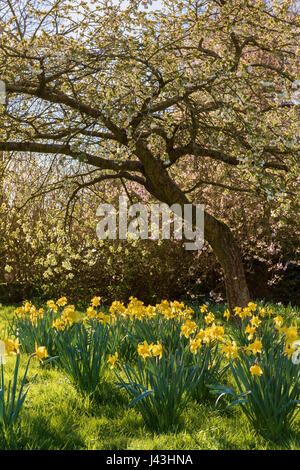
[95, 301]
[144, 350]
[91, 312]
[40, 352]
[62, 302]
[242, 312]
[103, 318]
[230, 350]
[250, 330]
[41, 312]
[70, 315]
[254, 348]
[255, 322]
[252, 306]
[59, 324]
[256, 370]
[201, 335]
[186, 313]
[195, 344]
[188, 328]
[20, 312]
[278, 321]
[216, 332]
[209, 318]
[289, 350]
[11, 346]
[156, 350]
[177, 309]
[27, 307]
[112, 359]
[226, 314]
[291, 334]
[117, 307]
[52, 305]
[150, 311]
[269, 311]
[237, 311]
[262, 312]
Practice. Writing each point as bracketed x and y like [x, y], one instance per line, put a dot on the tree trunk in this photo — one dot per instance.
[217, 233]
[228, 254]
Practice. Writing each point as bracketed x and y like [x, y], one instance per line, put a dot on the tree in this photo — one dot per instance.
[134, 93]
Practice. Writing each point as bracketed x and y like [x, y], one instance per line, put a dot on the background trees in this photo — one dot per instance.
[198, 95]
[39, 257]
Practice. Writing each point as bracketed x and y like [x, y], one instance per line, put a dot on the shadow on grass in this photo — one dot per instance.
[289, 440]
[39, 434]
[107, 400]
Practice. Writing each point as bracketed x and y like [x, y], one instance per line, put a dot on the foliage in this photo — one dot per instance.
[13, 395]
[83, 354]
[11, 399]
[123, 338]
[210, 370]
[39, 257]
[266, 371]
[270, 402]
[34, 326]
[160, 388]
[159, 328]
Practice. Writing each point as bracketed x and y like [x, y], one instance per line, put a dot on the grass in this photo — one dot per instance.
[55, 416]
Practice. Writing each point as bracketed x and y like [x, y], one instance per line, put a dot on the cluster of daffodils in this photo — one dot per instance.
[137, 310]
[205, 336]
[67, 318]
[93, 313]
[29, 311]
[290, 335]
[250, 318]
[248, 311]
[176, 310]
[208, 335]
[255, 316]
[69, 315]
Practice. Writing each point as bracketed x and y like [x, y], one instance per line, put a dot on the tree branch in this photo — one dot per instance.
[64, 149]
[198, 151]
[58, 97]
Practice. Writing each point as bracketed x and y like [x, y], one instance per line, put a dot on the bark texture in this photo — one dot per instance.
[216, 232]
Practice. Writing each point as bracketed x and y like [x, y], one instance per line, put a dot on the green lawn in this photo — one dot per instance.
[55, 416]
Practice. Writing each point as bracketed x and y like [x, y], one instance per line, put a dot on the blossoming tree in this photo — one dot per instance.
[134, 93]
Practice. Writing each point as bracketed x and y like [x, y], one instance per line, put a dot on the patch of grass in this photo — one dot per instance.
[6, 315]
[56, 416]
